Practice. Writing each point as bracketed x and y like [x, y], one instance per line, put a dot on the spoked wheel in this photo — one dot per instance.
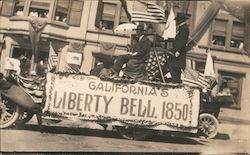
[208, 125]
[25, 117]
[9, 113]
[133, 133]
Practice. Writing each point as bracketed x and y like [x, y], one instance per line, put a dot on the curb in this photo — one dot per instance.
[235, 121]
[235, 132]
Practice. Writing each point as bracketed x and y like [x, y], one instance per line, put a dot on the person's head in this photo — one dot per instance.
[181, 17]
[151, 33]
[140, 30]
[150, 29]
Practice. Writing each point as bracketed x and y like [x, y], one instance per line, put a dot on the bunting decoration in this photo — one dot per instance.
[107, 48]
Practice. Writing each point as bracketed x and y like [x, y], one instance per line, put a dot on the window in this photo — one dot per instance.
[237, 35]
[62, 9]
[230, 88]
[219, 32]
[227, 32]
[111, 14]
[24, 55]
[75, 14]
[7, 7]
[108, 18]
[39, 9]
[200, 66]
[19, 8]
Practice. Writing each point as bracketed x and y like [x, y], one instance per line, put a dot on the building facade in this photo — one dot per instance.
[87, 28]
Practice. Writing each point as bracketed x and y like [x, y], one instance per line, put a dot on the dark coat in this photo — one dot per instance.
[142, 47]
[179, 45]
[4, 84]
[136, 66]
[96, 70]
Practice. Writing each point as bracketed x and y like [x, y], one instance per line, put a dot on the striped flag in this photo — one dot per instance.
[71, 68]
[146, 11]
[53, 58]
[195, 78]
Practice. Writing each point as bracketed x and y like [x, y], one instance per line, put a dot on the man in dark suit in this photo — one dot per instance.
[178, 61]
[136, 66]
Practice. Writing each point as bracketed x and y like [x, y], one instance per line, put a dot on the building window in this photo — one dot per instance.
[230, 87]
[19, 8]
[108, 17]
[219, 32]
[75, 14]
[237, 35]
[111, 14]
[62, 9]
[7, 7]
[39, 9]
[227, 32]
[24, 55]
[200, 66]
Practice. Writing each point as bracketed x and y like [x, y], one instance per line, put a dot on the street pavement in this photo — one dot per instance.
[230, 128]
[74, 135]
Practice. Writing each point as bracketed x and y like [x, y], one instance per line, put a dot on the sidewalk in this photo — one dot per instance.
[231, 116]
[236, 126]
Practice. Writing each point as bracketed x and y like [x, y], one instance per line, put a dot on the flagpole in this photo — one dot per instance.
[155, 52]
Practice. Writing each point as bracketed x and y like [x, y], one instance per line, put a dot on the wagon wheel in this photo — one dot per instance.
[133, 133]
[9, 113]
[208, 125]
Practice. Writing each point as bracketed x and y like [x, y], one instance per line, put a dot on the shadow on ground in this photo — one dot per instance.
[222, 136]
[154, 137]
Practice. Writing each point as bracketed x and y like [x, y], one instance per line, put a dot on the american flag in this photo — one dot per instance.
[146, 11]
[71, 68]
[195, 78]
[53, 58]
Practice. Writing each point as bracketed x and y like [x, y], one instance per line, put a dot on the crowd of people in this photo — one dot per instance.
[142, 64]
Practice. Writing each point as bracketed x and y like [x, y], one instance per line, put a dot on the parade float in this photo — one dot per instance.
[133, 107]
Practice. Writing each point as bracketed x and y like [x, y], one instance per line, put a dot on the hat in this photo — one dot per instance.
[140, 27]
[181, 16]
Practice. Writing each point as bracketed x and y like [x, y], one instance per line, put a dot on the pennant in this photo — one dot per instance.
[170, 29]
[209, 68]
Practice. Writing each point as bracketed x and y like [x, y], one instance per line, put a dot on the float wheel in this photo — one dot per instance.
[208, 125]
[9, 113]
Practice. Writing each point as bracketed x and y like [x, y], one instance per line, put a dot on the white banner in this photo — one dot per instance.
[86, 97]
[12, 64]
[74, 58]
